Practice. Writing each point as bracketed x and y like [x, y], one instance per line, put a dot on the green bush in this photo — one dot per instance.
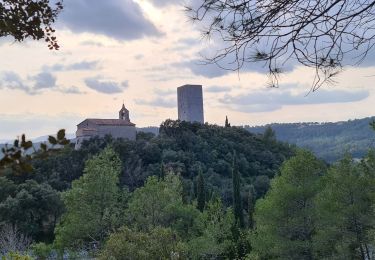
[41, 250]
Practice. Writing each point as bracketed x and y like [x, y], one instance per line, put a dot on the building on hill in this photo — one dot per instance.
[117, 128]
[190, 103]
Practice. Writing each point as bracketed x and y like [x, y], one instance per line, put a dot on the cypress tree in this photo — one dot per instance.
[237, 203]
[162, 171]
[250, 206]
[227, 124]
[201, 193]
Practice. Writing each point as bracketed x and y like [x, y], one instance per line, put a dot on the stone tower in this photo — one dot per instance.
[124, 114]
[190, 103]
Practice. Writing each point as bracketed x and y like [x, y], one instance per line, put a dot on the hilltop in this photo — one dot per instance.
[328, 141]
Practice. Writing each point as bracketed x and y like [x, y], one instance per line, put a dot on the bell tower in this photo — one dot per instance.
[124, 114]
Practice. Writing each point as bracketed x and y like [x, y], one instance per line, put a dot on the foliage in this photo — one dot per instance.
[34, 208]
[227, 124]
[29, 19]
[183, 148]
[284, 219]
[345, 210]
[237, 201]
[92, 205]
[329, 141]
[323, 35]
[216, 233]
[16, 256]
[159, 204]
[161, 173]
[41, 251]
[201, 192]
[158, 243]
[19, 156]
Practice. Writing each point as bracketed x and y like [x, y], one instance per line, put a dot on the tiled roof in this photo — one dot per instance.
[115, 122]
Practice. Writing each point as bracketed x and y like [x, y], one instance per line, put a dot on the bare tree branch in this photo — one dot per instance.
[322, 34]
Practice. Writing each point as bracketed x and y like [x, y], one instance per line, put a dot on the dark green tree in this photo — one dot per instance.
[285, 219]
[93, 205]
[251, 206]
[345, 208]
[269, 134]
[34, 208]
[201, 192]
[227, 124]
[162, 171]
[237, 201]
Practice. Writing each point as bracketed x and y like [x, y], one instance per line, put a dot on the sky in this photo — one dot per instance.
[138, 52]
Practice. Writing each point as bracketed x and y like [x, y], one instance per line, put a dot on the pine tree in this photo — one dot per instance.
[201, 193]
[269, 134]
[285, 218]
[92, 204]
[237, 203]
[227, 124]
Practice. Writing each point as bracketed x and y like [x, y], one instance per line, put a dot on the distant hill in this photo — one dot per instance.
[329, 141]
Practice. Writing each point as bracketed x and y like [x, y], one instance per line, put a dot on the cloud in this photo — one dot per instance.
[44, 80]
[77, 66]
[106, 86]
[118, 19]
[11, 80]
[165, 92]
[91, 43]
[274, 99]
[35, 84]
[72, 90]
[217, 89]
[139, 56]
[158, 102]
[163, 3]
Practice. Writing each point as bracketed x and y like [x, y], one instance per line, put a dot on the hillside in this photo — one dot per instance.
[183, 148]
[328, 141]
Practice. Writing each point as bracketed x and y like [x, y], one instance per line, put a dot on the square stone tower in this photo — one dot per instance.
[190, 103]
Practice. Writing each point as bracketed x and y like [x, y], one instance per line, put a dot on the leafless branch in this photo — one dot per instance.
[322, 34]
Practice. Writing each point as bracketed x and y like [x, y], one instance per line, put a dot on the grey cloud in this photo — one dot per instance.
[82, 65]
[139, 56]
[72, 90]
[164, 3]
[217, 89]
[44, 80]
[106, 86]
[118, 19]
[12, 80]
[274, 99]
[200, 67]
[35, 84]
[157, 102]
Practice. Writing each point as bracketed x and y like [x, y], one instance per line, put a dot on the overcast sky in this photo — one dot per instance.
[140, 51]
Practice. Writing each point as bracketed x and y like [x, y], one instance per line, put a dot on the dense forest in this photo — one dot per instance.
[203, 156]
[329, 141]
